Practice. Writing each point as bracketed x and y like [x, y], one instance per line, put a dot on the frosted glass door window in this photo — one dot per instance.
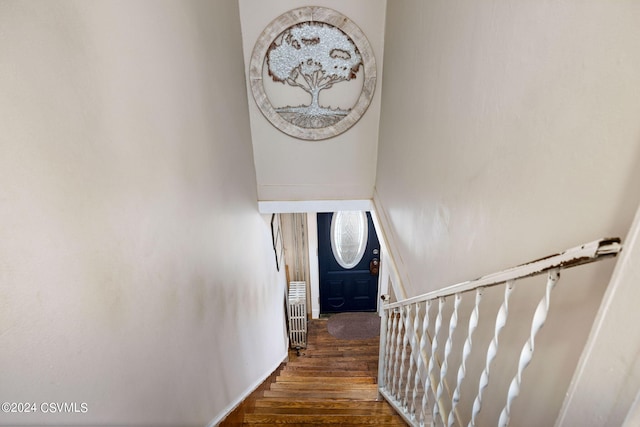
[349, 234]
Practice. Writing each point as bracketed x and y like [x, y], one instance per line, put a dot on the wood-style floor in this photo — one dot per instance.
[332, 382]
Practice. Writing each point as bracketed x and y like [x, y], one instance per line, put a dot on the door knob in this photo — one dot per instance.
[374, 266]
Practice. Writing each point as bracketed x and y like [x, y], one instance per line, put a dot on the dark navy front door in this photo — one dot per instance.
[343, 286]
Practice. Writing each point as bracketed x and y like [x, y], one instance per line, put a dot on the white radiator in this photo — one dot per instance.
[298, 314]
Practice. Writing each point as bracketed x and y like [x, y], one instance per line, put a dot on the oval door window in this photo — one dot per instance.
[349, 234]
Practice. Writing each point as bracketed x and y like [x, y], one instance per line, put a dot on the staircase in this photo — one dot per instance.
[331, 382]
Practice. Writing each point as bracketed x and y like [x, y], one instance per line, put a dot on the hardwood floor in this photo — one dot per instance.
[332, 382]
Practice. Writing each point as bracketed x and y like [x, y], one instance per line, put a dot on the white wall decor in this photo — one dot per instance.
[312, 73]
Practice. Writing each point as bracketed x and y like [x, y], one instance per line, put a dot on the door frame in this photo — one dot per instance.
[357, 277]
[387, 274]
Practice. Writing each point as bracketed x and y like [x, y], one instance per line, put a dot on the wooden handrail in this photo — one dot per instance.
[579, 255]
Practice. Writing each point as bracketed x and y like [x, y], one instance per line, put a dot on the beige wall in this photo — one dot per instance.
[134, 274]
[342, 167]
[510, 132]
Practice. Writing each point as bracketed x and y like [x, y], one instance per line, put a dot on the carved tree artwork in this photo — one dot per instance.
[312, 73]
[314, 57]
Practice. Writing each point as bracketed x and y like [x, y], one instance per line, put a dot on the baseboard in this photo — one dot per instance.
[233, 405]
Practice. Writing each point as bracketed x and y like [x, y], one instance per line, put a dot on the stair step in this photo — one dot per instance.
[355, 394]
[343, 358]
[342, 420]
[328, 361]
[316, 398]
[341, 424]
[359, 346]
[339, 357]
[344, 349]
[322, 344]
[364, 365]
[338, 366]
[320, 372]
[270, 402]
[370, 370]
[299, 385]
[325, 380]
[380, 410]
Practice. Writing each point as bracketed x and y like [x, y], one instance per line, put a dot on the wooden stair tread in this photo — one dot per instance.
[399, 422]
[327, 399]
[327, 394]
[331, 382]
[315, 373]
[274, 419]
[319, 369]
[353, 366]
[324, 380]
[346, 356]
[382, 410]
[318, 403]
[373, 345]
[301, 385]
[342, 349]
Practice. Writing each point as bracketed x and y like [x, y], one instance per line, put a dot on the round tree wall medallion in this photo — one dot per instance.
[312, 73]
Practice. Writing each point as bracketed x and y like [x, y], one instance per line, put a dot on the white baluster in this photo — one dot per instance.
[539, 317]
[416, 349]
[501, 320]
[468, 344]
[411, 331]
[392, 345]
[423, 355]
[403, 356]
[382, 354]
[453, 323]
[398, 351]
[389, 344]
[434, 349]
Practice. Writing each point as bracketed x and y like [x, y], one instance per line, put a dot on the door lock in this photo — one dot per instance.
[374, 266]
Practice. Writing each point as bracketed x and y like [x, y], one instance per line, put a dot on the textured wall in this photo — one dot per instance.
[510, 132]
[135, 273]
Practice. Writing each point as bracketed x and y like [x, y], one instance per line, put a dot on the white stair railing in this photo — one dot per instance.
[414, 366]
